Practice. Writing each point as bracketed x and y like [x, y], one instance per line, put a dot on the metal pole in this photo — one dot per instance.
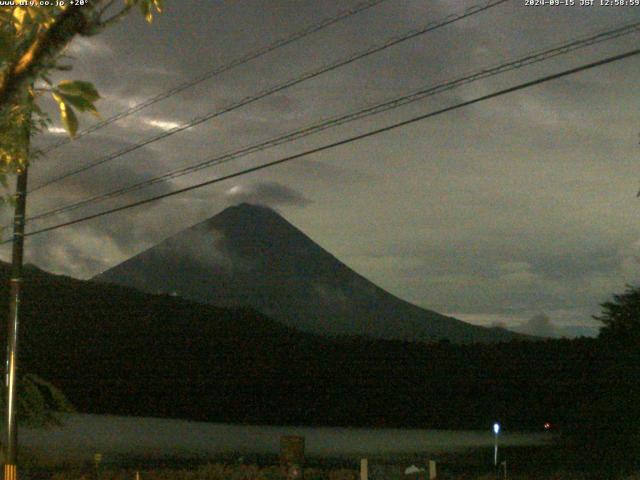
[432, 470]
[11, 421]
[14, 315]
[364, 469]
[496, 431]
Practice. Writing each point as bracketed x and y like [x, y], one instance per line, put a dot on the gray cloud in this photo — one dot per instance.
[578, 264]
[539, 325]
[267, 193]
[494, 212]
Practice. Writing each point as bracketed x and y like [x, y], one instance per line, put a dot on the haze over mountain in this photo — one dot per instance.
[249, 255]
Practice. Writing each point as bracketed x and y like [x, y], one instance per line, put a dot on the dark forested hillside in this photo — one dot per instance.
[116, 350]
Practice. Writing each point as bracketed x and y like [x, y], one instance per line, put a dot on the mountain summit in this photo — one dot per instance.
[249, 255]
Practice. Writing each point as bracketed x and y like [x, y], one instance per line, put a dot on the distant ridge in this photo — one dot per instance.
[249, 255]
[116, 350]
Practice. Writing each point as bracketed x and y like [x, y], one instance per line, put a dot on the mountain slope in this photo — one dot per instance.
[115, 350]
[249, 255]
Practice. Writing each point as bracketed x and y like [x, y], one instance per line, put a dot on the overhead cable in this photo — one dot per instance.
[277, 88]
[414, 96]
[345, 141]
[316, 27]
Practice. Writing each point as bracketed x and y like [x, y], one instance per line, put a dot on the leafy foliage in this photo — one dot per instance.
[32, 40]
[131, 353]
[621, 318]
[40, 404]
[606, 419]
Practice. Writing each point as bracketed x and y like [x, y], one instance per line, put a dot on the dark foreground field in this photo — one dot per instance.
[523, 463]
[255, 472]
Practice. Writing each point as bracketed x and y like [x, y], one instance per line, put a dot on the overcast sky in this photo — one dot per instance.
[520, 210]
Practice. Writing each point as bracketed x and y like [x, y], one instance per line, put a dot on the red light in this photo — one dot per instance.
[547, 426]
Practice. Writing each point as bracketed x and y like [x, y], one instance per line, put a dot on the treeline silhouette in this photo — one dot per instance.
[119, 351]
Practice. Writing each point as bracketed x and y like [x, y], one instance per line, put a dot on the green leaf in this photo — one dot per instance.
[20, 15]
[67, 115]
[80, 103]
[69, 119]
[145, 9]
[79, 88]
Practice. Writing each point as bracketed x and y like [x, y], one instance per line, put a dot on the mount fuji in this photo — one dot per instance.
[249, 255]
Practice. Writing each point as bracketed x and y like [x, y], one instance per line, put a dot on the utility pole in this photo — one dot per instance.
[11, 421]
[496, 431]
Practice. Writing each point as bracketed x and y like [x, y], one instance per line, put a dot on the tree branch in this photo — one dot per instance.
[47, 44]
[105, 8]
[116, 17]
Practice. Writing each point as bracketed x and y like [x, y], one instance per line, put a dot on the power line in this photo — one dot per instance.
[414, 96]
[345, 141]
[278, 88]
[324, 23]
